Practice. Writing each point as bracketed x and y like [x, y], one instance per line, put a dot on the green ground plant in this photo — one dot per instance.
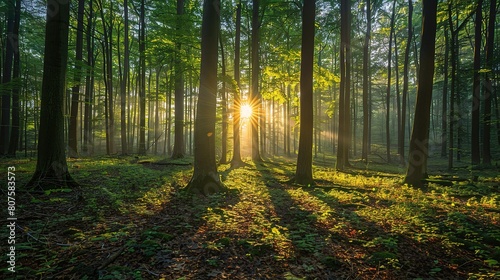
[132, 219]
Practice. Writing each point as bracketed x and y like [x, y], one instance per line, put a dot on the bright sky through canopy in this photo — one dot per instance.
[245, 111]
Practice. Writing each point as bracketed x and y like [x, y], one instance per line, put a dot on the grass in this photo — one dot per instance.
[132, 220]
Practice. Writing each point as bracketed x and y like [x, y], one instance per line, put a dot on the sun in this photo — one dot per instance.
[245, 111]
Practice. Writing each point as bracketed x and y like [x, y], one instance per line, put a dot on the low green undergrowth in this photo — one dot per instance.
[132, 219]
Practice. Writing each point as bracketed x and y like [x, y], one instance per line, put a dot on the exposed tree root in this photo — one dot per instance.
[206, 184]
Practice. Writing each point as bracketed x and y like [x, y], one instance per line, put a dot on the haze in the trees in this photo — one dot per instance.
[133, 82]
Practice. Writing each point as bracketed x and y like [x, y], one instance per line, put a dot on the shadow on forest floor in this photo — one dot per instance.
[135, 221]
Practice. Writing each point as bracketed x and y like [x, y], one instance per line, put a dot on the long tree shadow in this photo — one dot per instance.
[371, 248]
[401, 254]
[166, 232]
[129, 230]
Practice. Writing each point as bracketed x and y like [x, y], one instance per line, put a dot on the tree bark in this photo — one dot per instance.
[223, 157]
[444, 110]
[419, 142]
[108, 79]
[89, 81]
[405, 75]
[344, 129]
[255, 98]
[51, 168]
[453, 118]
[205, 178]
[236, 160]
[16, 75]
[488, 91]
[125, 77]
[388, 89]
[366, 81]
[142, 81]
[75, 90]
[476, 87]
[7, 72]
[179, 145]
[303, 173]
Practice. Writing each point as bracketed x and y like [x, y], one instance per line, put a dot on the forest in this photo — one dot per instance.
[258, 139]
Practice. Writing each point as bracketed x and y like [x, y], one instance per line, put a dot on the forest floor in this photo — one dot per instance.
[131, 219]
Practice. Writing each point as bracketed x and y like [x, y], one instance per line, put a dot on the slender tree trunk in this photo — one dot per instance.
[205, 178]
[401, 149]
[157, 110]
[388, 94]
[454, 119]
[89, 84]
[366, 73]
[179, 145]
[16, 75]
[476, 87]
[453, 74]
[303, 173]
[444, 110]
[7, 72]
[124, 81]
[419, 142]
[236, 161]
[223, 158]
[108, 80]
[344, 129]
[75, 90]
[142, 81]
[405, 76]
[342, 106]
[255, 99]
[51, 168]
[497, 114]
[488, 90]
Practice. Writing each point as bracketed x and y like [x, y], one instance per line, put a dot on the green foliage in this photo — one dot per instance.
[365, 220]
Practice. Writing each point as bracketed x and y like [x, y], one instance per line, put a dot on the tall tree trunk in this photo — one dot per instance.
[142, 81]
[108, 78]
[388, 89]
[223, 158]
[453, 74]
[476, 86]
[488, 91]
[124, 82]
[7, 72]
[444, 110]
[179, 145]
[405, 76]
[51, 168]
[205, 178]
[419, 142]
[344, 96]
[16, 75]
[169, 115]
[398, 103]
[75, 90]
[255, 98]
[236, 161]
[303, 173]
[453, 116]
[157, 111]
[89, 81]
[366, 81]
[497, 114]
